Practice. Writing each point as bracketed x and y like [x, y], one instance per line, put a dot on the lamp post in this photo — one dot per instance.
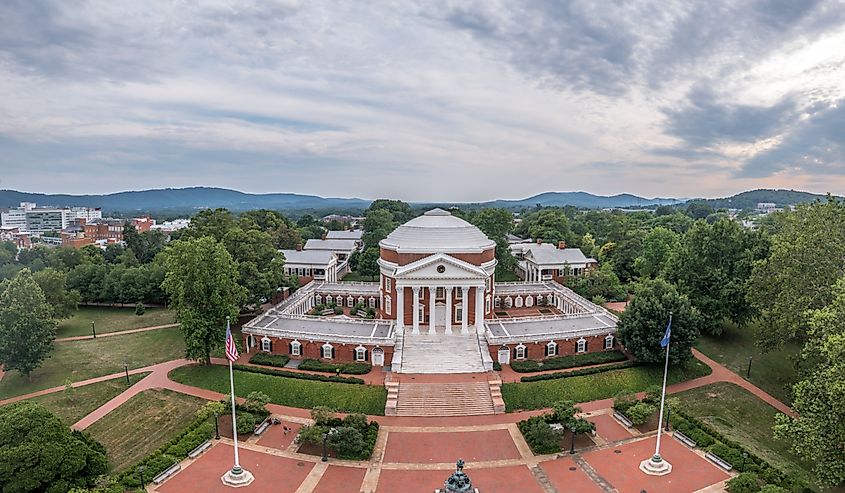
[668, 413]
[325, 450]
[93, 329]
[126, 370]
[141, 474]
[216, 427]
[572, 447]
[748, 371]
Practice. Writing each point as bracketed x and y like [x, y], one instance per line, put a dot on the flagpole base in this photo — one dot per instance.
[655, 466]
[237, 477]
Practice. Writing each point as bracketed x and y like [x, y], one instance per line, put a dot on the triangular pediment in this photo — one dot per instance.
[440, 266]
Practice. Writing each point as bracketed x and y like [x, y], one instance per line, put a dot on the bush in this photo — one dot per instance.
[653, 394]
[540, 436]
[623, 401]
[279, 360]
[140, 309]
[640, 412]
[323, 415]
[210, 409]
[497, 366]
[347, 441]
[747, 482]
[770, 488]
[728, 454]
[312, 434]
[301, 376]
[256, 403]
[580, 372]
[356, 420]
[564, 362]
[338, 310]
[246, 423]
[355, 368]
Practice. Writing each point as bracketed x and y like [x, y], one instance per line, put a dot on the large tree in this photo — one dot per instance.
[368, 262]
[27, 326]
[643, 323]
[658, 246]
[549, 225]
[496, 224]
[817, 434]
[202, 282]
[54, 285]
[40, 454]
[805, 260]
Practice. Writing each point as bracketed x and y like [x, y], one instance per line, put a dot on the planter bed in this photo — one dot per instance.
[357, 368]
[277, 360]
[565, 362]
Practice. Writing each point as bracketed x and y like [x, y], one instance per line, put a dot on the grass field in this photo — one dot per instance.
[354, 276]
[773, 372]
[507, 277]
[81, 360]
[539, 395]
[112, 320]
[85, 399]
[143, 424]
[744, 418]
[367, 399]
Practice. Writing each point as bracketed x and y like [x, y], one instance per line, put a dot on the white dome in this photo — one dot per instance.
[437, 231]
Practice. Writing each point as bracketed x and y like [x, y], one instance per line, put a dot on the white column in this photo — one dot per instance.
[464, 309]
[431, 309]
[416, 290]
[400, 307]
[449, 309]
[479, 309]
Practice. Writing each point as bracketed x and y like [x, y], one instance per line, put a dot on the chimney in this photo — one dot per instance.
[299, 247]
[539, 241]
[561, 245]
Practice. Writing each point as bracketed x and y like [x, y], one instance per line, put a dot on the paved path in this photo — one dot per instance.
[118, 333]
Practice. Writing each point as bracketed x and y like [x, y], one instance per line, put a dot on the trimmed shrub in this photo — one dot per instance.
[140, 309]
[571, 361]
[540, 436]
[338, 310]
[356, 420]
[579, 373]
[278, 360]
[770, 488]
[623, 401]
[640, 412]
[347, 441]
[355, 368]
[301, 376]
[497, 366]
[653, 394]
[747, 482]
[246, 423]
[256, 403]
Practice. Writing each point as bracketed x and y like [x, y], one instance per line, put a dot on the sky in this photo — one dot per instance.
[432, 100]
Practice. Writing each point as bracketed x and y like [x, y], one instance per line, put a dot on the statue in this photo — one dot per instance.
[458, 482]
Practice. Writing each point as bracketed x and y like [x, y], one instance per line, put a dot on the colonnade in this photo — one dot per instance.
[478, 305]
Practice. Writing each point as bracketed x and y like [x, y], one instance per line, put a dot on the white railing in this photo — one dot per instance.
[539, 318]
[318, 318]
[546, 336]
[321, 336]
[355, 283]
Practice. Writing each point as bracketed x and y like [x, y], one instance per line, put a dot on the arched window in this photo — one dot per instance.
[266, 345]
[529, 300]
[360, 353]
[296, 348]
[498, 302]
[518, 302]
[388, 305]
[328, 351]
[549, 299]
[329, 299]
[372, 302]
[360, 300]
[487, 304]
[608, 341]
[582, 345]
[318, 299]
[551, 348]
[520, 351]
[508, 302]
[350, 301]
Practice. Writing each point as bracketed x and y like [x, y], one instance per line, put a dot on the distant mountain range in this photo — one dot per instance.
[187, 199]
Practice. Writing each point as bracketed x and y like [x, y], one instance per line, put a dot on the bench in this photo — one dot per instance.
[193, 454]
[327, 311]
[361, 313]
[718, 461]
[170, 471]
[689, 442]
[262, 427]
[623, 419]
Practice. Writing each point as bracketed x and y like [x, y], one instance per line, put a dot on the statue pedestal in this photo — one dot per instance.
[439, 490]
[655, 466]
[237, 478]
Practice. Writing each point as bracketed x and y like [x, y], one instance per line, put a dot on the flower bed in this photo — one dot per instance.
[564, 362]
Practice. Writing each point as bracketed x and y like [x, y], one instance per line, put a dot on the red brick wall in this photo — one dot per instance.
[595, 344]
[409, 305]
[313, 349]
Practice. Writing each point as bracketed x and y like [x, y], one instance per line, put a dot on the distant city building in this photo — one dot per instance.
[171, 226]
[351, 220]
[31, 218]
[101, 231]
[767, 207]
[16, 236]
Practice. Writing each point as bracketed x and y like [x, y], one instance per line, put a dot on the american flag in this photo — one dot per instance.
[231, 348]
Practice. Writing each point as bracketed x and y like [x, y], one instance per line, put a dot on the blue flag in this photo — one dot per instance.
[665, 341]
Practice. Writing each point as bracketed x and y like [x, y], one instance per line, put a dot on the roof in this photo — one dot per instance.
[331, 245]
[311, 257]
[548, 254]
[437, 231]
[345, 235]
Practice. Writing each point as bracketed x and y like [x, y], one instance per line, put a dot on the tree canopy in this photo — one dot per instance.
[27, 326]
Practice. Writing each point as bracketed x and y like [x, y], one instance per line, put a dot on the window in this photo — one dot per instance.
[608, 341]
[487, 304]
[318, 299]
[508, 302]
[582, 345]
[328, 351]
[266, 345]
[441, 293]
[498, 302]
[518, 302]
[388, 306]
[328, 299]
[459, 294]
[350, 301]
[459, 313]
[360, 300]
[551, 348]
[296, 348]
[529, 300]
[360, 353]
[372, 302]
[520, 352]
[561, 272]
[387, 284]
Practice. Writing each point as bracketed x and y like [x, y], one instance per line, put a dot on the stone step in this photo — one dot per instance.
[444, 399]
[441, 353]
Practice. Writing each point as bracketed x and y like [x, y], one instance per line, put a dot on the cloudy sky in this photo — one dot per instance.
[430, 100]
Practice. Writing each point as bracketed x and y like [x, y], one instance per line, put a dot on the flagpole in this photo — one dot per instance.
[663, 396]
[236, 476]
[234, 422]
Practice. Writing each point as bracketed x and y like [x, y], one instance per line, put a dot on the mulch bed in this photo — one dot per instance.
[312, 449]
[225, 424]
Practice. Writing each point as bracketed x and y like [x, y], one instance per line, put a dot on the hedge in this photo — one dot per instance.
[279, 360]
[602, 385]
[581, 372]
[356, 368]
[741, 459]
[564, 362]
[300, 376]
[541, 438]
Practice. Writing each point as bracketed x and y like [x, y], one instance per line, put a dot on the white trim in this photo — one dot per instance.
[324, 348]
[265, 344]
[581, 345]
[295, 348]
[520, 348]
[608, 341]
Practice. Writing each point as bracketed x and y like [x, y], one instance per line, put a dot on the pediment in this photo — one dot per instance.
[440, 266]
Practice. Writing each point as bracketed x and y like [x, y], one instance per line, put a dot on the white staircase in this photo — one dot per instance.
[439, 353]
[444, 399]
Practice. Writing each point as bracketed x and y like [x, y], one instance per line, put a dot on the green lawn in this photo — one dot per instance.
[539, 395]
[84, 399]
[112, 320]
[81, 360]
[367, 399]
[773, 372]
[507, 276]
[354, 276]
[143, 424]
[744, 418]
